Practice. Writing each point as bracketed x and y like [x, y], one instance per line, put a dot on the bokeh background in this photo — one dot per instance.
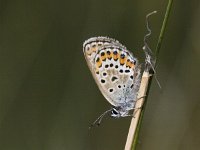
[48, 97]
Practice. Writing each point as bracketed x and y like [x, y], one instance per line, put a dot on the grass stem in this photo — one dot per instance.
[136, 122]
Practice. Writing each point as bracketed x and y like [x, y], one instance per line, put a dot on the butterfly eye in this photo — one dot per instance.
[115, 113]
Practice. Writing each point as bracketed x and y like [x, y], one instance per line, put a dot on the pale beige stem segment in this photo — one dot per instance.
[142, 92]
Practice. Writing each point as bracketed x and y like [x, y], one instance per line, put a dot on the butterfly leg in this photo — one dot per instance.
[141, 98]
[137, 108]
[135, 111]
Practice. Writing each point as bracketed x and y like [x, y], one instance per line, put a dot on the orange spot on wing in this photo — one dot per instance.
[88, 51]
[116, 56]
[123, 60]
[103, 57]
[128, 63]
[97, 71]
[98, 63]
[94, 49]
[110, 55]
[132, 65]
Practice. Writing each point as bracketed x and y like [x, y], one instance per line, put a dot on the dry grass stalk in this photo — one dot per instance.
[142, 92]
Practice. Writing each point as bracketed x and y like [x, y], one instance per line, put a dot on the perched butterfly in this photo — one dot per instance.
[116, 72]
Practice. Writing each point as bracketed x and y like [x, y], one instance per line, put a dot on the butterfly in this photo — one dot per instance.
[116, 72]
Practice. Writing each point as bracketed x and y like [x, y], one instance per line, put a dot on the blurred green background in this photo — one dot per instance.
[48, 97]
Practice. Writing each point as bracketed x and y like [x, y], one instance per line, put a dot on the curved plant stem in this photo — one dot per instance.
[136, 122]
[160, 39]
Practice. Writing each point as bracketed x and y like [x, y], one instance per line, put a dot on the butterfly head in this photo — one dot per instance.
[118, 112]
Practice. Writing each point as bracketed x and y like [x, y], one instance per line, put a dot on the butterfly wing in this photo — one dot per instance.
[115, 71]
[92, 45]
[118, 75]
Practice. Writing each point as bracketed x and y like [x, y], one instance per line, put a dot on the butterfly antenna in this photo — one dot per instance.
[99, 119]
[146, 46]
[147, 50]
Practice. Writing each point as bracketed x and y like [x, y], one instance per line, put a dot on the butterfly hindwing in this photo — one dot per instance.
[117, 70]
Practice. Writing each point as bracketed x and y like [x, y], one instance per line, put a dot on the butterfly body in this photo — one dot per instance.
[116, 72]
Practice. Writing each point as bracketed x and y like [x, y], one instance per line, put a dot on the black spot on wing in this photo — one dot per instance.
[104, 74]
[110, 90]
[102, 54]
[113, 78]
[103, 81]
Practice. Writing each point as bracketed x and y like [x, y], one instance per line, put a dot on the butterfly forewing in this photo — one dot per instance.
[92, 45]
